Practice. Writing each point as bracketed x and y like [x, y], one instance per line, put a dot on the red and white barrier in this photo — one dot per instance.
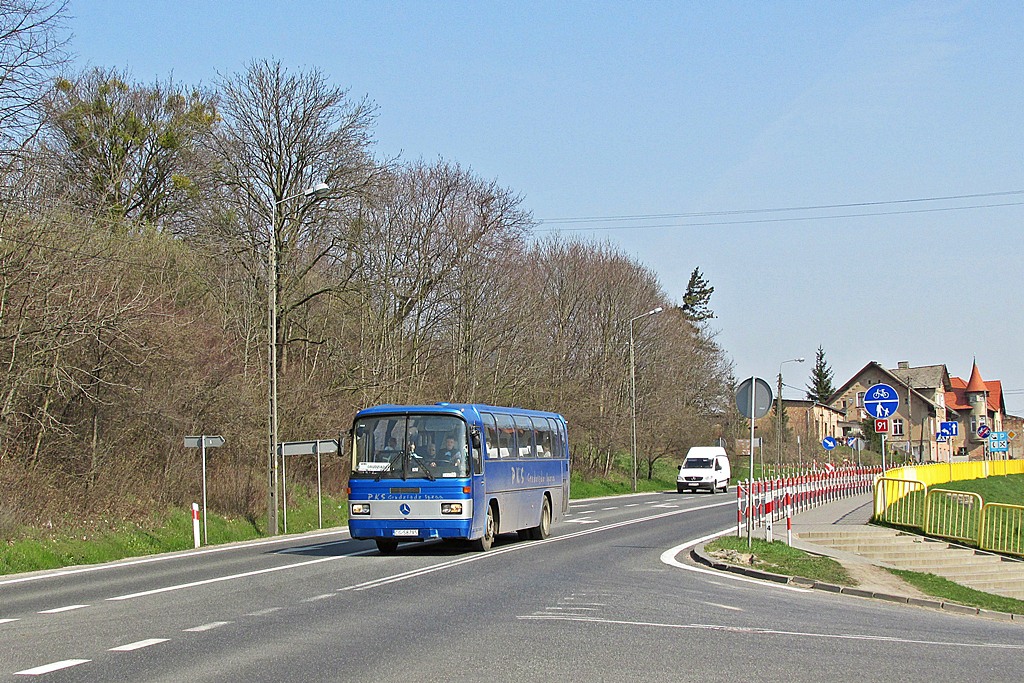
[769, 500]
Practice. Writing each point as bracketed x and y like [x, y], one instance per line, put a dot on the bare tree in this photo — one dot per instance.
[32, 48]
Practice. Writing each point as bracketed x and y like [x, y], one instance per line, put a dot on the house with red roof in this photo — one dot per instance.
[979, 402]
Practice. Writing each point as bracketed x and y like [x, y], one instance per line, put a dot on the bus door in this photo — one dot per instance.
[488, 450]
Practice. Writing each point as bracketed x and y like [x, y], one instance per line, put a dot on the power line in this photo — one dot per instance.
[813, 207]
[792, 219]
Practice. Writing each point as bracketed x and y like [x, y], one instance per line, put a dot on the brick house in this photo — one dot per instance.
[912, 428]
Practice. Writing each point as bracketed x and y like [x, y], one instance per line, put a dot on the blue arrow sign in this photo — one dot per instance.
[881, 400]
[949, 428]
[829, 442]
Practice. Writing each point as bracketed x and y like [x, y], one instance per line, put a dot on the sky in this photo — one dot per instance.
[846, 175]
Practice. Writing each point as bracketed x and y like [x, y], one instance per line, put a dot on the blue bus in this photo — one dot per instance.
[456, 471]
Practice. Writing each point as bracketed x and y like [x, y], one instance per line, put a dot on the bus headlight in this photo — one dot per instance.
[360, 508]
[451, 508]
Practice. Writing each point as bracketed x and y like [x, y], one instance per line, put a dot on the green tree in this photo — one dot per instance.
[127, 150]
[820, 387]
[697, 297]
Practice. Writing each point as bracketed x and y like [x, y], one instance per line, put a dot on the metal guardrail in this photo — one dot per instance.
[953, 514]
[1002, 529]
[900, 501]
[956, 515]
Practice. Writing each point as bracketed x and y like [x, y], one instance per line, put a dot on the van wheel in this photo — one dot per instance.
[484, 543]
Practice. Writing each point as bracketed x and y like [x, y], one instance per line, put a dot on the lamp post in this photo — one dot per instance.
[314, 192]
[632, 386]
[778, 410]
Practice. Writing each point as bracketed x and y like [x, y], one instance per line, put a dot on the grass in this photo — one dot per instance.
[945, 589]
[1008, 489]
[36, 550]
[779, 558]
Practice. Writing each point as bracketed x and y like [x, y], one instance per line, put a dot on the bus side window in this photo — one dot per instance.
[490, 436]
[506, 436]
[524, 436]
[558, 437]
[542, 434]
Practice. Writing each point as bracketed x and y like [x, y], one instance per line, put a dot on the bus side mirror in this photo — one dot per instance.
[474, 438]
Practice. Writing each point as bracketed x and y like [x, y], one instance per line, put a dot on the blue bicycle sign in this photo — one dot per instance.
[881, 400]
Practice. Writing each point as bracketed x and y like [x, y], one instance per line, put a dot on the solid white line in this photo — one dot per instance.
[162, 558]
[58, 610]
[138, 645]
[206, 627]
[775, 632]
[669, 558]
[218, 579]
[47, 668]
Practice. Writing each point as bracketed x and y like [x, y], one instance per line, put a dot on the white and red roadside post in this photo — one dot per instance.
[195, 523]
[739, 510]
[789, 516]
[769, 508]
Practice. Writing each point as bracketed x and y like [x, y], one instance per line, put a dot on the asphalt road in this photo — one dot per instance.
[608, 597]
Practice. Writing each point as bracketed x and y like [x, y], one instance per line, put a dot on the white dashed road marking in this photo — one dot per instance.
[206, 627]
[138, 645]
[57, 610]
[47, 668]
[6, 621]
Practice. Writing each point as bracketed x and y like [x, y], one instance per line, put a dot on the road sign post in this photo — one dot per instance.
[753, 399]
[202, 443]
[305, 448]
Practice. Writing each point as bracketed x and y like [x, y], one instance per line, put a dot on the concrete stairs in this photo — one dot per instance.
[888, 547]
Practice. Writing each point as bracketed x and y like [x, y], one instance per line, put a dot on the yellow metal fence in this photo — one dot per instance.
[904, 496]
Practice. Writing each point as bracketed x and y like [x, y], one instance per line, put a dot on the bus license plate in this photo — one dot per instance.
[406, 532]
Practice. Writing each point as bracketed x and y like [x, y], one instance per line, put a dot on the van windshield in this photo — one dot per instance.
[697, 463]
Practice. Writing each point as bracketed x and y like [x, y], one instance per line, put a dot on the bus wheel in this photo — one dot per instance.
[386, 546]
[543, 530]
[484, 542]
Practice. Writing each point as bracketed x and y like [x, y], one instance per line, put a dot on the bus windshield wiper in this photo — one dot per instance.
[399, 457]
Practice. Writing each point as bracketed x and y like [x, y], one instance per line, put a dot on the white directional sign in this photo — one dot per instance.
[881, 400]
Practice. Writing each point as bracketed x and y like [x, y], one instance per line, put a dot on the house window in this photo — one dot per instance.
[860, 399]
[974, 424]
[897, 426]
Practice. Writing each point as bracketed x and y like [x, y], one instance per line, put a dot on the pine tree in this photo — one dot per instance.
[820, 387]
[697, 297]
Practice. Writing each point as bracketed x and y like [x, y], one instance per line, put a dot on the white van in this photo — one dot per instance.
[705, 467]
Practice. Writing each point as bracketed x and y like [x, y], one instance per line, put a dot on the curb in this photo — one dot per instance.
[697, 554]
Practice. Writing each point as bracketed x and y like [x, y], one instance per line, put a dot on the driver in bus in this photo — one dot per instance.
[452, 452]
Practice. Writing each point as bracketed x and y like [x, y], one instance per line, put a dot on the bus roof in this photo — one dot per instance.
[445, 408]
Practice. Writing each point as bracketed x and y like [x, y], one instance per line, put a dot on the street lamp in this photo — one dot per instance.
[314, 192]
[632, 385]
[778, 409]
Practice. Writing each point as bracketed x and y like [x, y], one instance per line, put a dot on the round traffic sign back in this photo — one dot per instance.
[762, 395]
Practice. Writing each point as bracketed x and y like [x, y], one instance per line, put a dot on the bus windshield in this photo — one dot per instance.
[410, 447]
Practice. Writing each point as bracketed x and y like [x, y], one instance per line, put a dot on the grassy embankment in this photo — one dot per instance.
[30, 549]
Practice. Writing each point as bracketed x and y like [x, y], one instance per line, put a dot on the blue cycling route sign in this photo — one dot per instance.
[881, 400]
